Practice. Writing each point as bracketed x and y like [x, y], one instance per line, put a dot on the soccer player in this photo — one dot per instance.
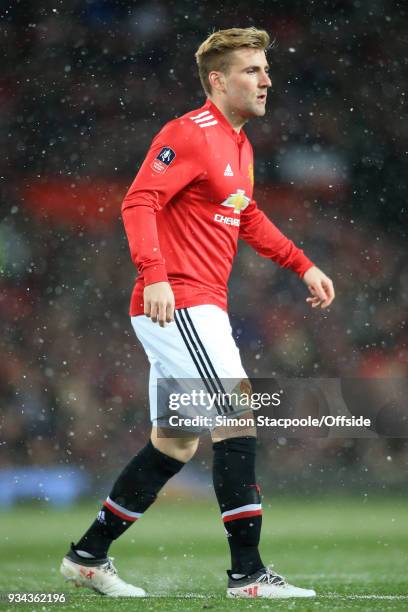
[188, 205]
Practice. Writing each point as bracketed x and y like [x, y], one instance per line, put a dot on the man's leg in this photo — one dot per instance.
[132, 494]
[240, 504]
[135, 490]
[238, 496]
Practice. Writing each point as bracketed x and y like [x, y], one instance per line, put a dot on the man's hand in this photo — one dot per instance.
[159, 303]
[320, 286]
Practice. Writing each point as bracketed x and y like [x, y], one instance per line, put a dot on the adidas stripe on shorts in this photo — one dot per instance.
[197, 345]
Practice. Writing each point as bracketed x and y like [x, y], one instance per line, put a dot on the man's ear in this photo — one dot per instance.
[217, 81]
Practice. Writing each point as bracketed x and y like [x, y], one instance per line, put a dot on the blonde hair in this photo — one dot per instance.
[214, 53]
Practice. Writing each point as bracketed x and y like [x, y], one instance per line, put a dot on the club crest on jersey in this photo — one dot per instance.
[238, 201]
[163, 160]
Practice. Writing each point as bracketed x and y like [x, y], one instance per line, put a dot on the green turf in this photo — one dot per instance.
[354, 552]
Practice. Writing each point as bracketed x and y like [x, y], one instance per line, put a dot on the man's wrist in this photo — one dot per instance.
[155, 274]
[304, 267]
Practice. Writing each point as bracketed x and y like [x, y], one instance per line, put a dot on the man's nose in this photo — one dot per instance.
[265, 80]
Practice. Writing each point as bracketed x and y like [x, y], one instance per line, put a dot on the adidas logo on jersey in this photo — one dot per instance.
[204, 119]
[228, 171]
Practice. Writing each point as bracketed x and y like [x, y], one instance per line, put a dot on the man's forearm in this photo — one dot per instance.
[141, 230]
[267, 240]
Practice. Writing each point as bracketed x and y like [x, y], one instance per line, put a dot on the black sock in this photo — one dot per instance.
[235, 487]
[133, 492]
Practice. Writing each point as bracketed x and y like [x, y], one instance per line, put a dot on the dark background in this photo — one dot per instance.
[84, 87]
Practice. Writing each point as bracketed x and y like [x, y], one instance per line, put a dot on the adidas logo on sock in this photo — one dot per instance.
[101, 517]
[228, 171]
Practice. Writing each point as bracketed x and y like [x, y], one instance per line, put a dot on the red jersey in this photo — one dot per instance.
[188, 205]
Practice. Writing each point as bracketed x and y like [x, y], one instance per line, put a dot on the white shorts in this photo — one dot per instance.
[197, 345]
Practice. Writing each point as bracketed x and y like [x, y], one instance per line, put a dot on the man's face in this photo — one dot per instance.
[246, 83]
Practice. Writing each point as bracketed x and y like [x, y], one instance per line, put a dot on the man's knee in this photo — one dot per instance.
[182, 448]
[244, 423]
[246, 429]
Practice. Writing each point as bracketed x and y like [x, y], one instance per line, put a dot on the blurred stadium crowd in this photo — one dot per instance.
[87, 86]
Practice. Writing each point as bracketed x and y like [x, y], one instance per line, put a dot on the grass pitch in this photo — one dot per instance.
[354, 552]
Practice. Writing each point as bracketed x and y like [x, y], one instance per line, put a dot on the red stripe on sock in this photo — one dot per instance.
[241, 515]
[130, 519]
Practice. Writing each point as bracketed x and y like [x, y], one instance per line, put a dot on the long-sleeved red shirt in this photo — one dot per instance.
[188, 205]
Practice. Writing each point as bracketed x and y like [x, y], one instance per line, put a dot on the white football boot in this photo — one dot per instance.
[101, 576]
[267, 584]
